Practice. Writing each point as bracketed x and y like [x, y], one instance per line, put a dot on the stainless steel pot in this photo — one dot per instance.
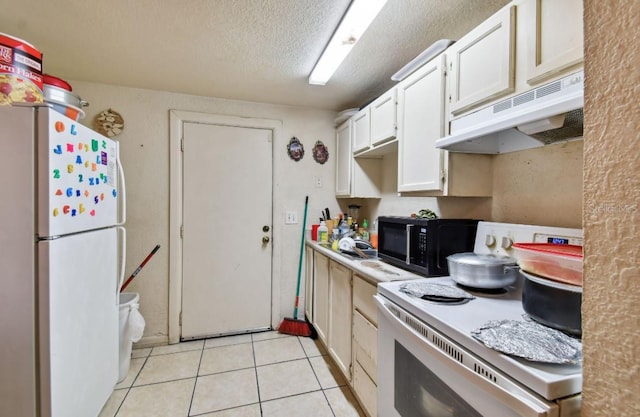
[482, 271]
[554, 304]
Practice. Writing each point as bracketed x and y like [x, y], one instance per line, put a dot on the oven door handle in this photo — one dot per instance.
[524, 403]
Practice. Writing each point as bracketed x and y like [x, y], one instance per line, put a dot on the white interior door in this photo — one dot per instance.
[227, 221]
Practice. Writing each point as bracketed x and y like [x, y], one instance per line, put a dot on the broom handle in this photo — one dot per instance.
[304, 222]
[139, 268]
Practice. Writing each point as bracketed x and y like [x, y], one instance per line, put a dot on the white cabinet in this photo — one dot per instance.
[339, 338]
[365, 344]
[344, 159]
[421, 121]
[361, 130]
[482, 63]
[383, 118]
[420, 124]
[308, 283]
[355, 178]
[374, 127]
[321, 295]
[553, 30]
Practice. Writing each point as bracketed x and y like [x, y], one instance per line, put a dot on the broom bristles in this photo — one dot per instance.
[294, 327]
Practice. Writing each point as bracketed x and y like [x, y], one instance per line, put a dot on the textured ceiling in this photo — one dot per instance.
[256, 50]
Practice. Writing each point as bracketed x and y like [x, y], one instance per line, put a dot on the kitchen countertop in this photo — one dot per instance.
[373, 270]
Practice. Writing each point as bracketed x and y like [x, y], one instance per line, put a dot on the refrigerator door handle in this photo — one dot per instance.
[122, 235]
[122, 212]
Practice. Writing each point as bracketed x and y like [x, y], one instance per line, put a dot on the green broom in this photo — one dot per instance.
[291, 325]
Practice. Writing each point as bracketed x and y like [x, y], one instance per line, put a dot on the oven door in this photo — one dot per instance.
[422, 373]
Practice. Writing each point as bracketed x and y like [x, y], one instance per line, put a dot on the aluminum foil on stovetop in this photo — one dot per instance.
[436, 292]
[530, 340]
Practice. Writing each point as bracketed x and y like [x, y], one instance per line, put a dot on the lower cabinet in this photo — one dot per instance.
[345, 317]
[340, 310]
[365, 345]
[308, 283]
[321, 295]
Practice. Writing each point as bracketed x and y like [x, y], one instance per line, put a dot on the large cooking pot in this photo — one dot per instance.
[57, 93]
[482, 271]
[554, 304]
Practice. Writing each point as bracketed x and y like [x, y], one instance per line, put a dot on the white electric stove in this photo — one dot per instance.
[430, 365]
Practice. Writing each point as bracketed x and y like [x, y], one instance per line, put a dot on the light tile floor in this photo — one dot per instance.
[263, 374]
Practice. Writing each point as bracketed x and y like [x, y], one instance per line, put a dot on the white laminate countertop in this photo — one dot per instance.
[373, 270]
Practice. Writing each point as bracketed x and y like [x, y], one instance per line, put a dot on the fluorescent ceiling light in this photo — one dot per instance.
[353, 24]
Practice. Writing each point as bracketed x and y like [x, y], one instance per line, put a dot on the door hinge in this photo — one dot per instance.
[182, 144]
[351, 372]
[180, 319]
[181, 231]
[443, 175]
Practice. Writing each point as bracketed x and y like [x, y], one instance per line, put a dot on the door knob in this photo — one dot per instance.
[265, 229]
[265, 239]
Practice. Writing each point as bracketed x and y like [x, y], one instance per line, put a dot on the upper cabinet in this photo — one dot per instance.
[421, 121]
[383, 118]
[482, 63]
[343, 158]
[553, 31]
[374, 127]
[525, 44]
[355, 178]
[361, 130]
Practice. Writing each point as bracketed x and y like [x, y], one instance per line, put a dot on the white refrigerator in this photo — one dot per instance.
[62, 259]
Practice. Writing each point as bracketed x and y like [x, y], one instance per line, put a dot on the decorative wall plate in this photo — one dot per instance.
[109, 123]
[320, 152]
[295, 149]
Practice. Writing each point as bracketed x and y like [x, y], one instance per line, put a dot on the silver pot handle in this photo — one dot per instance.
[509, 268]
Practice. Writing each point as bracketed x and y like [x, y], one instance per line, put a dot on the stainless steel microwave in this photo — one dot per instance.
[422, 245]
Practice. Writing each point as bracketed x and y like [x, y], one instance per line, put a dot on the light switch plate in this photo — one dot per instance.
[291, 217]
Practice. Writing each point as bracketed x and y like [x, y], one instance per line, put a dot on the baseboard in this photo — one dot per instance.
[151, 341]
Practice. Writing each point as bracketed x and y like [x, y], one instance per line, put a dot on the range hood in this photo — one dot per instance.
[538, 117]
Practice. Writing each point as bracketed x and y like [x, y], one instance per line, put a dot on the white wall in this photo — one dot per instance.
[145, 156]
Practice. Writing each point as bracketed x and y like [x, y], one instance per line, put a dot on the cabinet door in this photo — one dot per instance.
[383, 118]
[363, 293]
[366, 390]
[321, 295]
[554, 32]
[343, 159]
[482, 63]
[361, 130]
[308, 283]
[340, 317]
[420, 124]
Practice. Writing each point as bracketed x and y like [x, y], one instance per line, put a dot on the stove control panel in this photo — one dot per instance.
[498, 238]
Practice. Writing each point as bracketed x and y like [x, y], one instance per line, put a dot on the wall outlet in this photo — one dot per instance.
[291, 217]
[318, 182]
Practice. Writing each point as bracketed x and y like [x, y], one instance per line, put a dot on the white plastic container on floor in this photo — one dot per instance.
[131, 329]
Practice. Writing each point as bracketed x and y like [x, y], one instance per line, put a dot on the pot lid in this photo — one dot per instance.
[58, 82]
[471, 258]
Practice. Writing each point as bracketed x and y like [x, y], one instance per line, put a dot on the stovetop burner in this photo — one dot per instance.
[484, 292]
